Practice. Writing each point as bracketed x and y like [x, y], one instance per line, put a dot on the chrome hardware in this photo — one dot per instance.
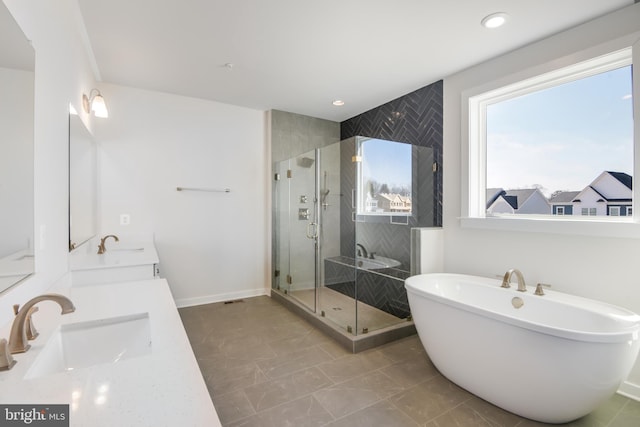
[507, 278]
[6, 359]
[303, 199]
[303, 214]
[206, 190]
[362, 251]
[312, 230]
[18, 342]
[101, 248]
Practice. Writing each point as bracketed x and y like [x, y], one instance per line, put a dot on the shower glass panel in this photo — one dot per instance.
[281, 226]
[342, 218]
[335, 306]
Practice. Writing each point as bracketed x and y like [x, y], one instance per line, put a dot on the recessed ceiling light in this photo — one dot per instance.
[494, 20]
[338, 103]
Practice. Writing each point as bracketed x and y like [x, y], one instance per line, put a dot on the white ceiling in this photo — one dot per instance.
[299, 55]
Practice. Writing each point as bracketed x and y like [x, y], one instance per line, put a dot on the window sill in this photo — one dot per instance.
[567, 226]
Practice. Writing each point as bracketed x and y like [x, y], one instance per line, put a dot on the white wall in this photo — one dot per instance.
[212, 246]
[603, 268]
[62, 74]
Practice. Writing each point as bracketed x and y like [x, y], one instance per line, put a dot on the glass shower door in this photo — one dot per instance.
[302, 219]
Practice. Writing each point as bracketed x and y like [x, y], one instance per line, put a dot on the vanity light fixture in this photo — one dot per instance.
[494, 20]
[338, 102]
[95, 102]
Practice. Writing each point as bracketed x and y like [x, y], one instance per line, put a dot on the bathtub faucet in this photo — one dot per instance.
[507, 279]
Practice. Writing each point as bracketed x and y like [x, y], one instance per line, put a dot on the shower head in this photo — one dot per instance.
[305, 162]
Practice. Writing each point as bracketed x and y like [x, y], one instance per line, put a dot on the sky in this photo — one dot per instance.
[563, 137]
[387, 162]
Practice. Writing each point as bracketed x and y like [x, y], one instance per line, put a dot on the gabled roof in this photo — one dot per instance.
[563, 197]
[493, 194]
[395, 196]
[515, 198]
[624, 178]
[589, 188]
[512, 200]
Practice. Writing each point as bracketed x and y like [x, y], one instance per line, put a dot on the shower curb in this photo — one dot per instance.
[354, 344]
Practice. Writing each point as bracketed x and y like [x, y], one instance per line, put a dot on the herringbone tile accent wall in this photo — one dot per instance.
[415, 118]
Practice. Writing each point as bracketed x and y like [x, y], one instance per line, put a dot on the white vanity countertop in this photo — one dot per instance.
[164, 388]
[118, 254]
[16, 267]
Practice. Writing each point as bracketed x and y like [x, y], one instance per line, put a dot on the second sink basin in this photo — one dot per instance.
[95, 342]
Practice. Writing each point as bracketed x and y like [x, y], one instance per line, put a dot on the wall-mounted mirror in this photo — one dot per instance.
[82, 183]
[17, 60]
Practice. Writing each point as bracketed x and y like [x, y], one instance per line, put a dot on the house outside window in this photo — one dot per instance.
[614, 211]
[484, 155]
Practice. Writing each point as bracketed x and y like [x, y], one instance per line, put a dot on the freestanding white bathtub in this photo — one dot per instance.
[554, 359]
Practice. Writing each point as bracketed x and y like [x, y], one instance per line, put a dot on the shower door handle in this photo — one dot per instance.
[312, 230]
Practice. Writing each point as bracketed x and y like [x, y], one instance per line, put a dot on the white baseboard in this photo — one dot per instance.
[208, 299]
[630, 390]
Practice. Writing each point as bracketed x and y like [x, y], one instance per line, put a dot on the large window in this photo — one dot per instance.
[562, 137]
[384, 177]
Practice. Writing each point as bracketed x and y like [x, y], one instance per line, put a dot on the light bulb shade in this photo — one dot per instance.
[95, 103]
[99, 107]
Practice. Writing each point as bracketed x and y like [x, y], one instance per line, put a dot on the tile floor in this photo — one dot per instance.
[264, 366]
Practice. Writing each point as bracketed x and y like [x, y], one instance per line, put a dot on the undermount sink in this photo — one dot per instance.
[96, 342]
[376, 263]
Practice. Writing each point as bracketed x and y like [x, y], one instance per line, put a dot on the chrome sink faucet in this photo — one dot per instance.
[18, 341]
[362, 251]
[101, 248]
[507, 279]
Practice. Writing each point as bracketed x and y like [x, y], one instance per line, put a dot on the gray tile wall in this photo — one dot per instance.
[294, 134]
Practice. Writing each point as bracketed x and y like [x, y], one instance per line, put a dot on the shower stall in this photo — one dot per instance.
[342, 233]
